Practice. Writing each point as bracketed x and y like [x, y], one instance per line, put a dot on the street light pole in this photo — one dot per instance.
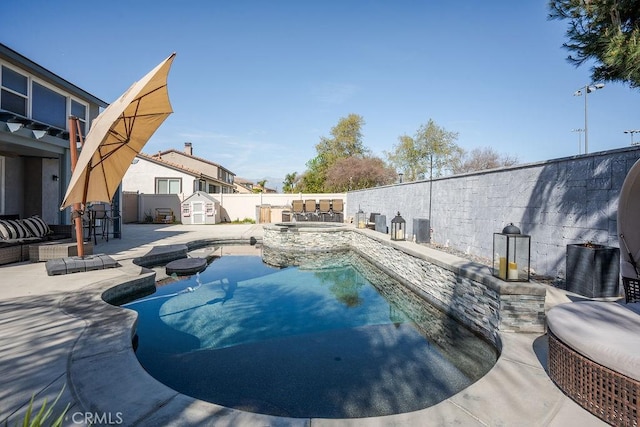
[588, 88]
[579, 139]
[632, 131]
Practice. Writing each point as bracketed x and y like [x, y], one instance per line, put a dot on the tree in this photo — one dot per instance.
[605, 31]
[259, 188]
[405, 158]
[312, 180]
[289, 183]
[432, 151]
[353, 173]
[345, 142]
[481, 159]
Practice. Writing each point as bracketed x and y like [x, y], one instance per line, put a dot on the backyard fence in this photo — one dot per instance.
[558, 202]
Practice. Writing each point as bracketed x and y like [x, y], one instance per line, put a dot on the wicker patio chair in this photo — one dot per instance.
[310, 209]
[337, 207]
[297, 209]
[631, 289]
[324, 206]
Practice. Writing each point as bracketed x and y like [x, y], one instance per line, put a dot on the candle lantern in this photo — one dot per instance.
[398, 226]
[361, 219]
[511, 255]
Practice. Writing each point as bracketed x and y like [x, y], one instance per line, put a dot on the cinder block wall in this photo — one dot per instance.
[557, 202]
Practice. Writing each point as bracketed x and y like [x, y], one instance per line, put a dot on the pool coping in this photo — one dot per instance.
[104, 376]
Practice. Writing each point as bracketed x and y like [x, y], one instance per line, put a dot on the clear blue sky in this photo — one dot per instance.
[255, 84]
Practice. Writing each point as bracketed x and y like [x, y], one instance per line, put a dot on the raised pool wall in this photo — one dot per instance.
[465, 290]
[558, 202]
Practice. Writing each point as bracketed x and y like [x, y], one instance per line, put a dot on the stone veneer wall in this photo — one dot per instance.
[465, 290]
[306, 237]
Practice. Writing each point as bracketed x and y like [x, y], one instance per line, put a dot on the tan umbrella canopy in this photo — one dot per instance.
[117, 135]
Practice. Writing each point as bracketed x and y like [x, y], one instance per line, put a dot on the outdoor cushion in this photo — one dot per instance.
[13, 229]
[605, 332]
[36, 226]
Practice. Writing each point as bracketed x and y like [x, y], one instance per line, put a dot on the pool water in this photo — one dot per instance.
[338, 341]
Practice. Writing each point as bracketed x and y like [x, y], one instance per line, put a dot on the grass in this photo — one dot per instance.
[43, 416]
[244, 221]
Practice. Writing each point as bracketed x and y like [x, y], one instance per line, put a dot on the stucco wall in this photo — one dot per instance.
[557, 202]
[13, 185]
[51, 197]
[240, 206]
[141, 176]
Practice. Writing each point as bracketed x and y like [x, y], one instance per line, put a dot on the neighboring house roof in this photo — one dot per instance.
[177, 167]
[251, 186]
[242, 181]
[243, 184]
[182, 153]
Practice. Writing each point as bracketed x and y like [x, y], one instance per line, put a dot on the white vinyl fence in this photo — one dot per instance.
[260, 207]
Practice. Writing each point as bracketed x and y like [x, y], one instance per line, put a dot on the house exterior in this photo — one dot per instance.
[35, 162]
[244, 186]
[176, 172]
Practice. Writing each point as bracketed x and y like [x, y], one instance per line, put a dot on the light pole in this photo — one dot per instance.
[632, 131]
[587, 90]
[579, 139]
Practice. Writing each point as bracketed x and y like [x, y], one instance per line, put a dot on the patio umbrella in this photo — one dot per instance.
[115, 137]
[628, 223]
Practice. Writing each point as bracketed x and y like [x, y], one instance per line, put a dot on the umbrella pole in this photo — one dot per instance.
[77, 207]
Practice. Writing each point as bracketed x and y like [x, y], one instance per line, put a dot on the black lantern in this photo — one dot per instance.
[361, 219]
[511, 255]
[398, 226]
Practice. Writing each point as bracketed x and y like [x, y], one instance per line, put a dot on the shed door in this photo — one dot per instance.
[197, 212]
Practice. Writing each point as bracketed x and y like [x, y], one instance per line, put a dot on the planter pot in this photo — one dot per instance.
[593, 270]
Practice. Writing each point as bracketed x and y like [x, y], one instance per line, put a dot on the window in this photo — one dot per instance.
[168, 185]
[13, 96]
[199, 185]
[48, 106]
[225, 176]
[80, 111]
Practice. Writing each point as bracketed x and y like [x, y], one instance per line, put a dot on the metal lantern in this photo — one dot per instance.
[511, 255]
[361, 219]
[398, 228]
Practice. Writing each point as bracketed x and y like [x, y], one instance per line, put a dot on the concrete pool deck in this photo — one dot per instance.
[37, 339]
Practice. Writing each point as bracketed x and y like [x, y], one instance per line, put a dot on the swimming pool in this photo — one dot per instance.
[330, 336]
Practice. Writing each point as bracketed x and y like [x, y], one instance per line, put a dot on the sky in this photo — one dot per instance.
[256, 84]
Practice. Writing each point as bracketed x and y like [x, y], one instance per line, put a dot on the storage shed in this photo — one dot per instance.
[200, 208]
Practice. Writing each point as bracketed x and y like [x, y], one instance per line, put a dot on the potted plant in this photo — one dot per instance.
[593, 270]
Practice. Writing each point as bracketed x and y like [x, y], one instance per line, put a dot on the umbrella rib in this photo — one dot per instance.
[150, 92]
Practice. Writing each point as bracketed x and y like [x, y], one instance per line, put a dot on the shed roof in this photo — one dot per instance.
[201, 195]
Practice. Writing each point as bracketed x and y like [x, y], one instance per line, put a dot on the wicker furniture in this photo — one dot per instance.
[9, 254]
[57, 249]
[631, 289]
[17, 250]
[605, 393]
[594, 358]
